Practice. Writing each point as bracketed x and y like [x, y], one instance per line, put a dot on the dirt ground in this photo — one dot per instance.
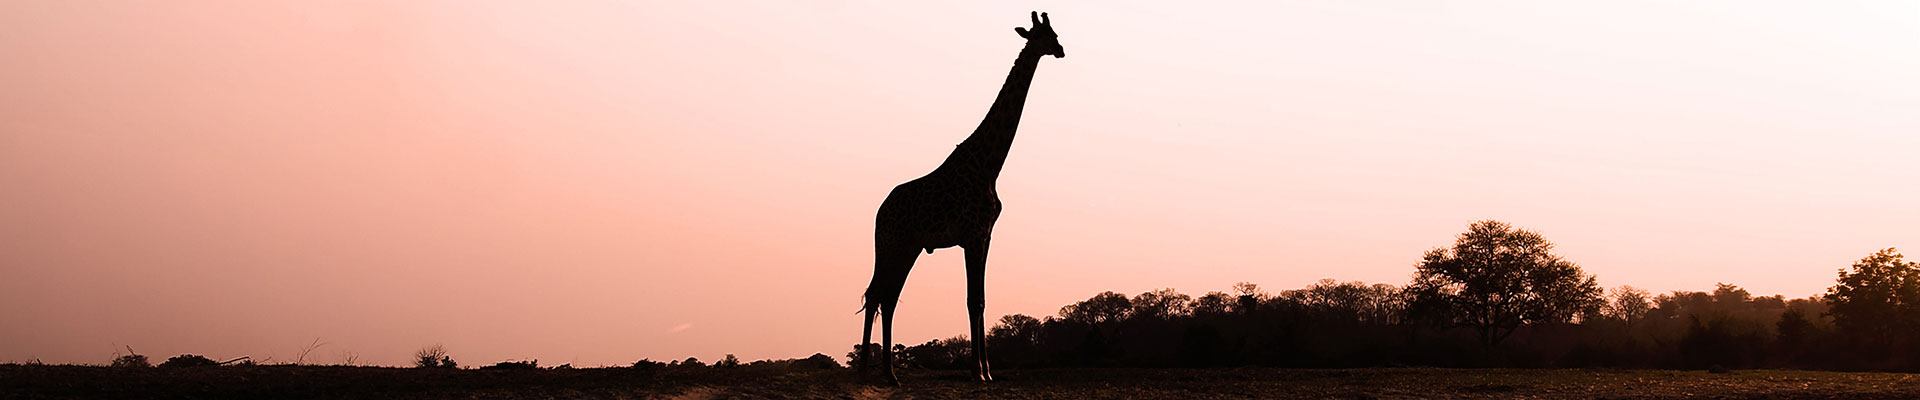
[37, 381]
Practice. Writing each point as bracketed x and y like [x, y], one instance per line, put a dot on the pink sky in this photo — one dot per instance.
[597, 182]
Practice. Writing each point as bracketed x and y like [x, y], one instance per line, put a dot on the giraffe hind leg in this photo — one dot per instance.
[866, 340]
[890, 268]
[886, 337]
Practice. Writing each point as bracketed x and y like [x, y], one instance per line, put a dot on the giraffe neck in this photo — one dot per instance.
[984, 152]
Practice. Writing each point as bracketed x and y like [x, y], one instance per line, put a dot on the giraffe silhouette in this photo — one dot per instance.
[955, 205]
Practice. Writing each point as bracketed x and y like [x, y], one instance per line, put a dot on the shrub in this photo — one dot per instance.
[692, 362]
[188, 360]
[817, 361]
[131, 361]
[648, 365]
[433, 357]
[728, 362]
[856, 357]
[529, 364]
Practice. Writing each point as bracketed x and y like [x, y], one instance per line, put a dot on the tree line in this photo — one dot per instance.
[1498, 297]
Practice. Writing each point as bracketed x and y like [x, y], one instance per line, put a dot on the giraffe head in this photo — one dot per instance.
[1042, 35]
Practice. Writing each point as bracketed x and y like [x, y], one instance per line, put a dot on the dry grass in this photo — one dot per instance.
[287, 381]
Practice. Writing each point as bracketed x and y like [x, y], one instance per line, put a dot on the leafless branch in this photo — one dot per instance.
[309, 349]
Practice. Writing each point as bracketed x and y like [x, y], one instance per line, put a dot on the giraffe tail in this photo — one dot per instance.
[867, 304]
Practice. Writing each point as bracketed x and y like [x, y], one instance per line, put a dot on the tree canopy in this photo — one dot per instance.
[1877, 300]
[1103, 307]
[1496, 278]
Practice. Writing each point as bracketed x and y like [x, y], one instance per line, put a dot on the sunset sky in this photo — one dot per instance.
[595, 182]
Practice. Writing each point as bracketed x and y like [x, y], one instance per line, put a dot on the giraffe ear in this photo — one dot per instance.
[1021, 31]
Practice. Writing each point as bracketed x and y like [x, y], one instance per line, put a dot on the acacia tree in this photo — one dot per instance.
[1878, 301]
[1496, 278]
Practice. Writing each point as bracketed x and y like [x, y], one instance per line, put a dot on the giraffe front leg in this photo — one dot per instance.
[977, 307]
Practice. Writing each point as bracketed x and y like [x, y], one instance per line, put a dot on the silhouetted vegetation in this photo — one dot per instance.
[1496, 298]
[189, 360]
[856, 357]
[289, 381]
[789, 378]
[513, 365]
[1495, 279]
[815, 361]
[129, 360]
[690, 362]
[648, 365]
[1876, 308]
[1353, 324]
[434, 356]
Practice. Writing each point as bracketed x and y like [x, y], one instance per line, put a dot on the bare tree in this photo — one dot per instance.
[1627, 304]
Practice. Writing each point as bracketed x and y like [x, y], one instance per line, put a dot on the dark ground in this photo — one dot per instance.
[37, 381]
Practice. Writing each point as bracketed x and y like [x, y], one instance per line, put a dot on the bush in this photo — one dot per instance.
[512, 365]
[131, 361]
[951, 353]
[188, 360]
[433, 357]
[817, 361]
[648, 365]
[856, 358]
[692, 362]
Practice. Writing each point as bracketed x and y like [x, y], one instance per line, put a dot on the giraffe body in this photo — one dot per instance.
[947, 210]
[955, 205]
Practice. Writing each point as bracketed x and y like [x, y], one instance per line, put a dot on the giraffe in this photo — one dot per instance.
[955, 205]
